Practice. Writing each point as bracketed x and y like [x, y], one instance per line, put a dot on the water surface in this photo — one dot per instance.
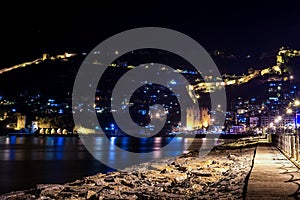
[29, 160]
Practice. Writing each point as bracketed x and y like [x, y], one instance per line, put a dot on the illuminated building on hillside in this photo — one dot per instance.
[197, 118]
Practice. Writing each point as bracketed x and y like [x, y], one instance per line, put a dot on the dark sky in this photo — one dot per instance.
[28, 29]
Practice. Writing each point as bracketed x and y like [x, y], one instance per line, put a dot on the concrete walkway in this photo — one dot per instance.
[273, 176]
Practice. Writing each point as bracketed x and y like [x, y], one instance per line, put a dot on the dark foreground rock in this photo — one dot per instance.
[222, 174]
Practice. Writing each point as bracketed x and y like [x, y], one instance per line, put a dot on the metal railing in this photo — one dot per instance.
[287, 143]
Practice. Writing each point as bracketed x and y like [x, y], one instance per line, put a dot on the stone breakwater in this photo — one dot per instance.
[222, 174]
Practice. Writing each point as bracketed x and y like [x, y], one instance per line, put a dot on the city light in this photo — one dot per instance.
[279, 118]
[289, 111]
[90, 111]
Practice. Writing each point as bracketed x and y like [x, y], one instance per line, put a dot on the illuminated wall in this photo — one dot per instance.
[21, 121]
[197, 118]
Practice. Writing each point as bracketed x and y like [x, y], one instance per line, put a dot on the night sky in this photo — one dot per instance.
[28, 29]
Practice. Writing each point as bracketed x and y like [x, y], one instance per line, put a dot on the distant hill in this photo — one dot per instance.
[56, 78]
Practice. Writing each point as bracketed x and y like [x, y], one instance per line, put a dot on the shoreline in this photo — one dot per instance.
[211, 136]
[221, 174]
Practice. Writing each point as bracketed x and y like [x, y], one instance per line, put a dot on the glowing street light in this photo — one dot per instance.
[296, 104]
[271, 128]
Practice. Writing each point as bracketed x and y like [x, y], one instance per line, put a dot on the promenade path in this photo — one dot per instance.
[273, 175]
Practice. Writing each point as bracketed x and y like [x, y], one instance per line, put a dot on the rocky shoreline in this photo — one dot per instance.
[222, 174]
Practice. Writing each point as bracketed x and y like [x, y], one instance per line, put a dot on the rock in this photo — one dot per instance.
[160, 167]
[183, 169]
[194, 153]
[77, 182]
[201, 173]
[127, 183]
[220, 170]
[109, 179]
[12, 195]
[214, 162]
[197, 187]
[91, 195]
[231, 157]
[41, 187]
[180, 177]
[49, 190]
[48, 198]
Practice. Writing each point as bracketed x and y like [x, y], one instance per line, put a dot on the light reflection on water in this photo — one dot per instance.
[28, 160]
[69, 148]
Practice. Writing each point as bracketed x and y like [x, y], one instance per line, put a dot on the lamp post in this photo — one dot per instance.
[277, 123]
[296, 103]
[289, 110]
[270, 131]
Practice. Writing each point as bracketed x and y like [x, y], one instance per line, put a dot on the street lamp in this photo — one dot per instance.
[271, 130]
[271, 127]
[295, 104]
[277, 122]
